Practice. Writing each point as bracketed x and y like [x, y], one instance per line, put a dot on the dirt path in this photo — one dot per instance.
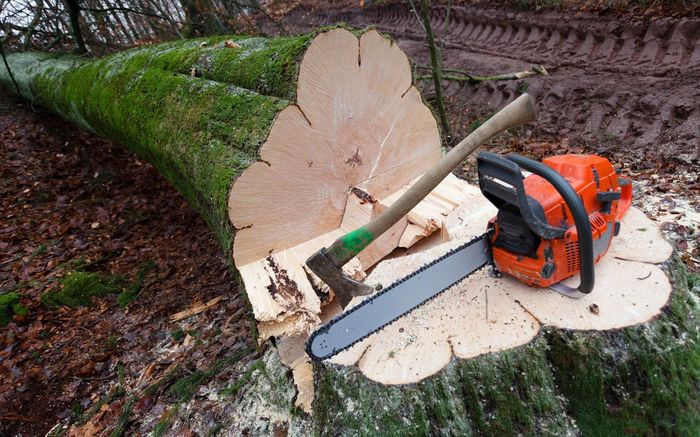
[630, 87]
[636, 84]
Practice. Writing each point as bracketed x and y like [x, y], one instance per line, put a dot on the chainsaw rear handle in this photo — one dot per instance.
[493, 168]
[509, 170]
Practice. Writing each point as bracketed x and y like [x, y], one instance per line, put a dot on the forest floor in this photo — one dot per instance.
[101, 252]
[98, 252]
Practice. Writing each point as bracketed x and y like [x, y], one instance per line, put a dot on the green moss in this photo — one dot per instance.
[648, 382]
[78, 288]
[199, 132]
[268, 66]
[196, 109]
[231, 390]
[177, 335]
[131, 292]
[508, 393]
[9, 306]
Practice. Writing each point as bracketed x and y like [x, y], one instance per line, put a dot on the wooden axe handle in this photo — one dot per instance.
[520, 111]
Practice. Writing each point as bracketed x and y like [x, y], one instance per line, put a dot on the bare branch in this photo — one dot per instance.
[9, 71]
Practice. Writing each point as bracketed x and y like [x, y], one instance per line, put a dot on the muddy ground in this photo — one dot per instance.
[625, 87]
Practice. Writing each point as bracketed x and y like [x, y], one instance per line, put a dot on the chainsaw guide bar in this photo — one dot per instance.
[403, 296]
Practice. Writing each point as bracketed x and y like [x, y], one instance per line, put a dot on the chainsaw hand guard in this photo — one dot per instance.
[501, 181]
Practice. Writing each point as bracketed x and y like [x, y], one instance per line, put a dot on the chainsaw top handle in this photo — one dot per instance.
[493, 168]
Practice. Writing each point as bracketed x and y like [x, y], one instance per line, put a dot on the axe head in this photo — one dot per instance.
[343, 286]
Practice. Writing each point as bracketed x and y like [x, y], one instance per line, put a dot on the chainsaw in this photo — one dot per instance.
[552, 224]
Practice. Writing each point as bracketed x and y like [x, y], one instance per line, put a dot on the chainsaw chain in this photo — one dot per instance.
[323, 329]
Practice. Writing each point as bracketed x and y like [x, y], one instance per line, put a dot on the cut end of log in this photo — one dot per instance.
[356, 138]
[483, 314]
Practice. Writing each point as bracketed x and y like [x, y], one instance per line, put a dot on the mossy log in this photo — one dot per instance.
[201, 110]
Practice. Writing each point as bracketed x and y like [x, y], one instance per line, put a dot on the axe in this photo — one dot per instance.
[327, 263]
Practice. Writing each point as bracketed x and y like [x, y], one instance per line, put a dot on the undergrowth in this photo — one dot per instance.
[9, 306]
[79, 287]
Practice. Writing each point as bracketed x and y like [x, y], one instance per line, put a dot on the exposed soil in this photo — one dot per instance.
[633, 86]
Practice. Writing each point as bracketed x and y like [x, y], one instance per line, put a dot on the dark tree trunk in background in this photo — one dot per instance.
[200, 19]
[74, 16]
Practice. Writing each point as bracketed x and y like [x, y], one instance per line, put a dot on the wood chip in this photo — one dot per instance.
[195, 309]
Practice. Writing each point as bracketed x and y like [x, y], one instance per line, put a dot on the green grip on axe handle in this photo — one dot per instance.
[349, 245]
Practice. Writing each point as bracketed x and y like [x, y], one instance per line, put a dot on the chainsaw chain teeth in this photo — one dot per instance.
[324, 328]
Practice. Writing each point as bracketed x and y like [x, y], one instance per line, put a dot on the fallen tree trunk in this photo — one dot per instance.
[285, 143]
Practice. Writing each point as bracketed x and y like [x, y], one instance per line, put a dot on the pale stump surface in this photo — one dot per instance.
[483, 314]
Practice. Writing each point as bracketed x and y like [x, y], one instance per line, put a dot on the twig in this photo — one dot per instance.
[645, 277]
[486, 299]
[437, 72]
[124, 9]
[194, 310]
[447, 20]
[11, 260]
[464, 76]
[415, 11]
[16, 417]
[269, 17]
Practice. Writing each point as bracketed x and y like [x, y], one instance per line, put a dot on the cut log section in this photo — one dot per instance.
[281, 143]
[358, 136]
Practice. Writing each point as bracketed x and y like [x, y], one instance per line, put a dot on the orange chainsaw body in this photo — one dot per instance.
[542, 262]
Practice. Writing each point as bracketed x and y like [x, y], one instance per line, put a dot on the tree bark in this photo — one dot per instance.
[199, 112]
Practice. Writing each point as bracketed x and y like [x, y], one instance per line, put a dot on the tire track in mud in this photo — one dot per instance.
[650, 48]
[633, 86]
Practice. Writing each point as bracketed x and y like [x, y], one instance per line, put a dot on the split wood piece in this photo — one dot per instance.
[276, 283]
[357, 137]
[195, 309]
[291, 352]
[483, 314]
